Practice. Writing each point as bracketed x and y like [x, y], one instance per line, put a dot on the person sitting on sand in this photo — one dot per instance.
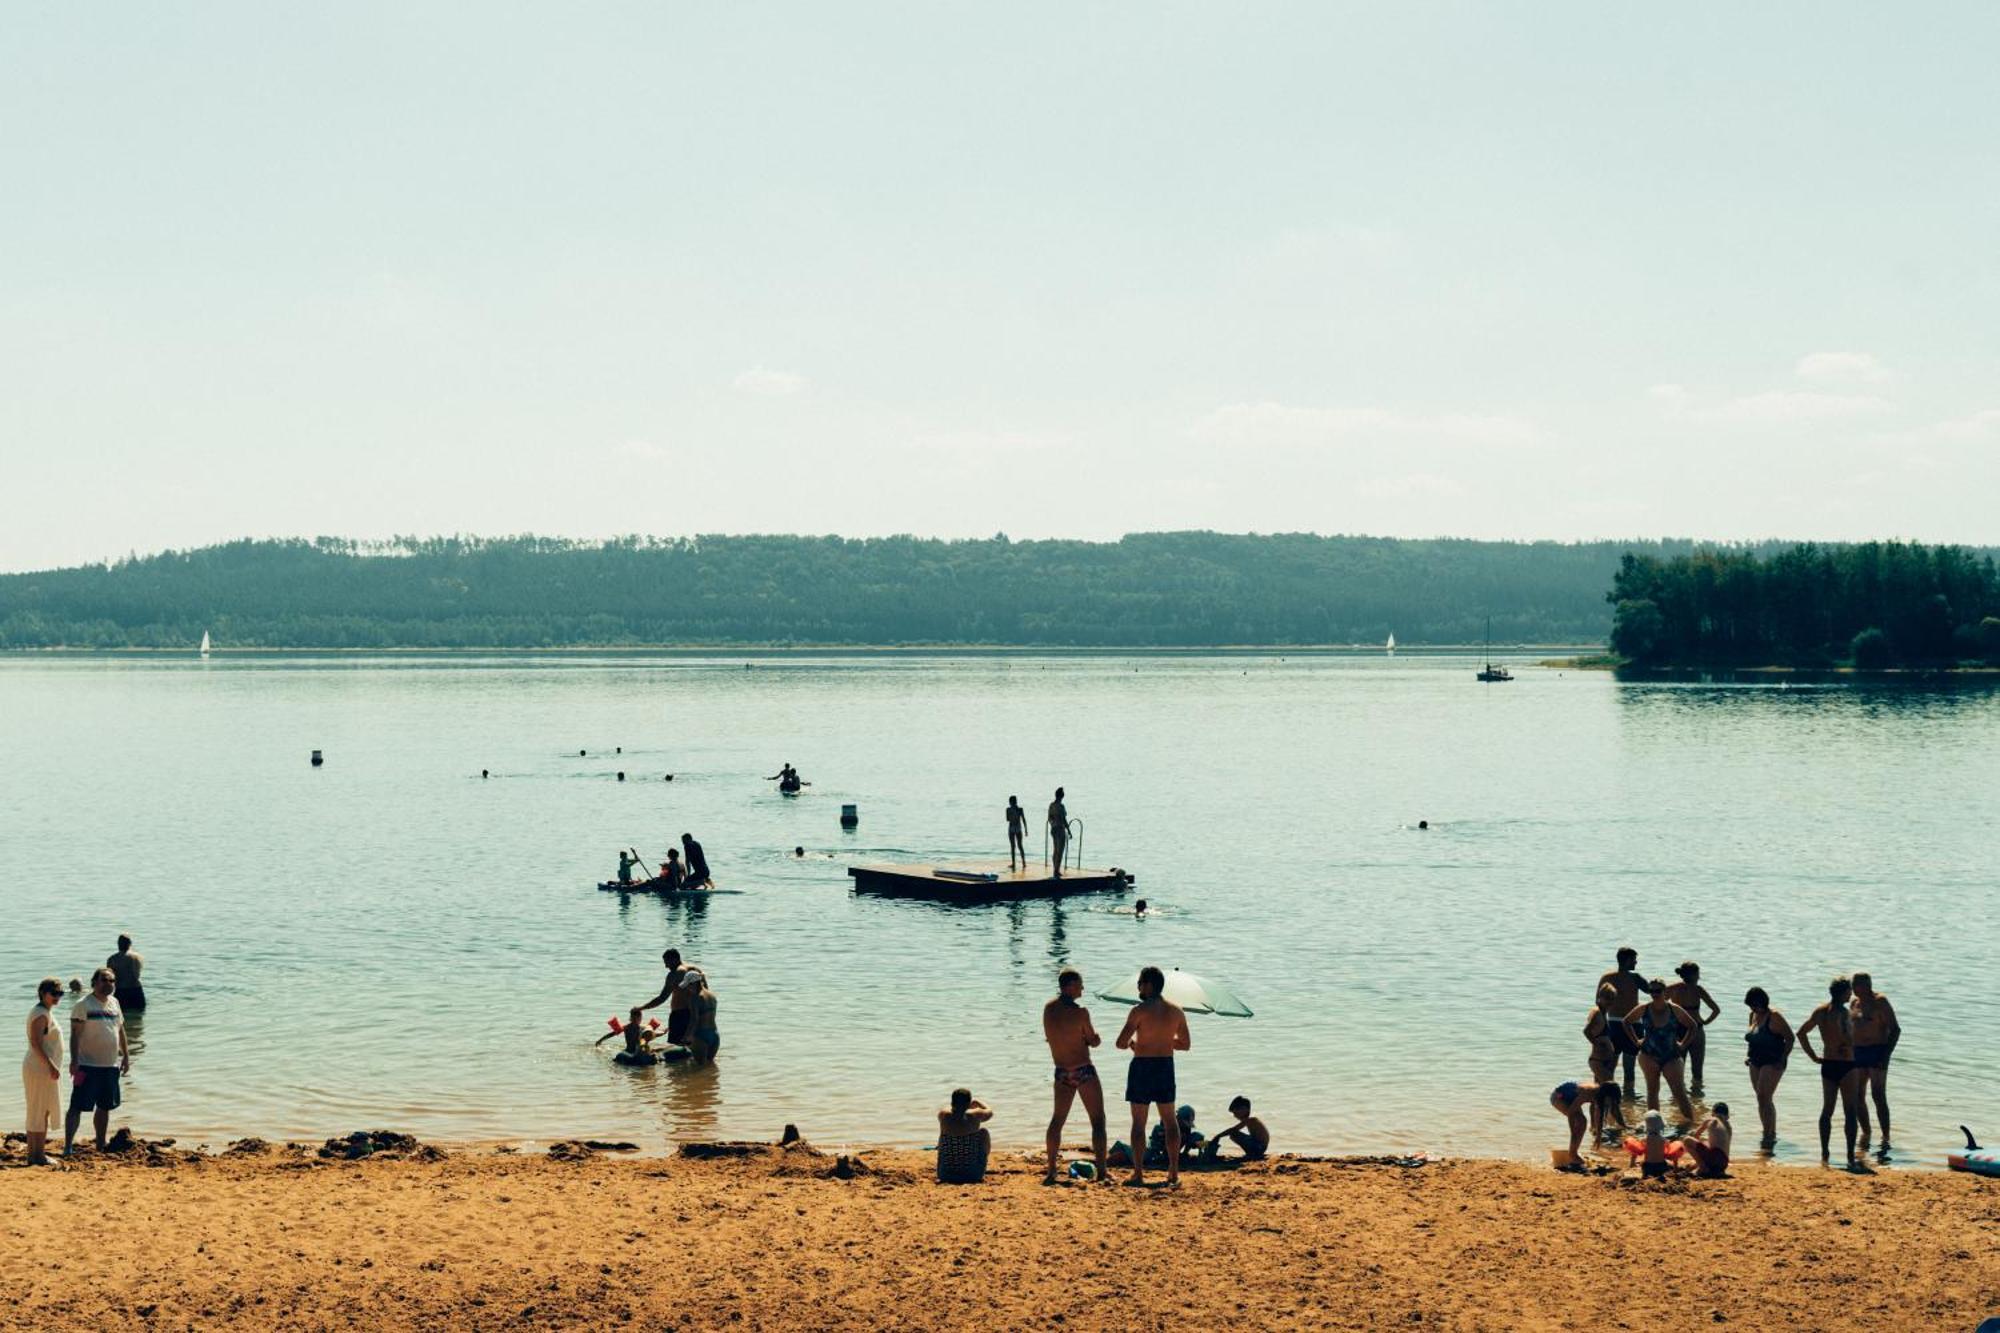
[1655, 1164]
[1770, 1040]
[1834, 1022]
[1248, 1133]
[1662, 1030]
[1706, 1150]
[1691, 995]
[1604, 1106]
[1190, 1143]
[963, 1140]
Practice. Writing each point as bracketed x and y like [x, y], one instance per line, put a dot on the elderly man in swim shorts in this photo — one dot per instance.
[1154, 1030]
[1066, 1025]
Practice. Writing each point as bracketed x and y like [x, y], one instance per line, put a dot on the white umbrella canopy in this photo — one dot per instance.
[1196, 994]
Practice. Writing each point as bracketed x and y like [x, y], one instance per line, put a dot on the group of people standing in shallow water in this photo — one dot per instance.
[1664, 1035]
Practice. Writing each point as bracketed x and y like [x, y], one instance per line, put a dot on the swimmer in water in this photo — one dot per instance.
[798, 851]
[1139, 908]
[1599, 1098]
[1662, 1030]
[1423, 823]
[1691, 995]
[1838, 1077]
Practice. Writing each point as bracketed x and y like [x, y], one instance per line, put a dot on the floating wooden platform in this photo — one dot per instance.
[983, 881]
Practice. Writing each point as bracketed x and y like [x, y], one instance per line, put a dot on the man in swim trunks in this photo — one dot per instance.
[125, 967]
[678, 995]
[1155, 1029]
[1838, 1077]
[1058, 829]
[1067, 1027]
[1876, 1033]
[1626, 983]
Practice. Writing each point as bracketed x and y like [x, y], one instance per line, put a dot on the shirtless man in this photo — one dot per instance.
[1837, 1075]
[1066, 1025]
[1059, 836]
[1876, 1033]
[1155, 1029]
[1625, 983]
[1017, 832]
[682, 988]
[125, 967]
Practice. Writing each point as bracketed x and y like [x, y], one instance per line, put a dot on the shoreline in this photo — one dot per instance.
[773, 1237]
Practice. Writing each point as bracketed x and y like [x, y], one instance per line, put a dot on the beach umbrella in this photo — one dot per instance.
[1196, 994]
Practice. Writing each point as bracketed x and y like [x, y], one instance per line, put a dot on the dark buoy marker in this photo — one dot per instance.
[621, 775]
[318, 759]
[484, 774]
[850, 815]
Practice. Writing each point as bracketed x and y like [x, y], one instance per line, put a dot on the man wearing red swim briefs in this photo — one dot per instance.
[1066, 1025]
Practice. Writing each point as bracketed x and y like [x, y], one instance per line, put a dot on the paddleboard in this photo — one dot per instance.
[1979, 1161]
[613, 886]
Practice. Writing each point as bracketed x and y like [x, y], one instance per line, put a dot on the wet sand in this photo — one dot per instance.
[780, 1238]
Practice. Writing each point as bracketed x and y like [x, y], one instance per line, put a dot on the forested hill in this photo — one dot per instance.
[1180, 589]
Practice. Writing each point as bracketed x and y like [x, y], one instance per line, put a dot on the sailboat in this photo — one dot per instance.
[1390, 647]
[204, 643]
[1489, 673]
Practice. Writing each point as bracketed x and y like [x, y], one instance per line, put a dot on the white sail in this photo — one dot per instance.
[1391, 645]
[204, 643]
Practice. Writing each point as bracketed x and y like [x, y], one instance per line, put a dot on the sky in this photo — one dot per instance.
[1551, 270]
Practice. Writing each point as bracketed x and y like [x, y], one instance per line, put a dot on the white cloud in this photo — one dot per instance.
[1844, 368]
[1979, 426]
[769, 383]
[1779, 408]
[1275, 423]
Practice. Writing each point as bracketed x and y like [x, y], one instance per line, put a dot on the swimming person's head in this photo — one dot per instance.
[1151, 982]
[1139, 908]
[1839, 989]
[672, 958]
[1423, 823]
[75, 986]
[1070, 982]
[1628, 958]
[1756, 1000]
[798, 851]
[1689, 972]
[961, 1100]
[1864, 985]
[125, 944]
[1239, 1105]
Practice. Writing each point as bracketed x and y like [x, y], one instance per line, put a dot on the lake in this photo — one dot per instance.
[392, 941]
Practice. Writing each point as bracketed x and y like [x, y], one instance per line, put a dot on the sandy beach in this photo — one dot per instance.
[271, 1237]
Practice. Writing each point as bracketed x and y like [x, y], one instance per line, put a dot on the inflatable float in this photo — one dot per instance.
[1980, 1161]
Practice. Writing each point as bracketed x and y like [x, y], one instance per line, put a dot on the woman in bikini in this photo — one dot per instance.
[1691, 995]
[1770, 1041]
[1837, 1075]
[1601, 1098]
[1662, 1030]
[1597, 1028]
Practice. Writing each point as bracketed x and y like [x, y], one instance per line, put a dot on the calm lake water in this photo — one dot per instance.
[390, 941]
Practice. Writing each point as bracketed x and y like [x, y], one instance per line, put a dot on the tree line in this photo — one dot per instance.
[1173, 589]
[1872, 605]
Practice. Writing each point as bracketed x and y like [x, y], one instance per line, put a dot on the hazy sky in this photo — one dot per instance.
[1527, 270]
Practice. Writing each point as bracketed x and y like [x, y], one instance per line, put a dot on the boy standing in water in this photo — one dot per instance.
[1067, 1027]
[1153, 1032]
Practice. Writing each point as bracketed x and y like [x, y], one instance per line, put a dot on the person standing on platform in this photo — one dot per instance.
[1017, 832]
[1058, 830]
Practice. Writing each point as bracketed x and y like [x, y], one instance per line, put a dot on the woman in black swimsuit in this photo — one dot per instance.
[1770, 1040]
[1597, 1029]
[1837, 1073]
[1662, 1030]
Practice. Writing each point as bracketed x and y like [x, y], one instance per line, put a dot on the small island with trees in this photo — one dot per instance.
[1874, 606]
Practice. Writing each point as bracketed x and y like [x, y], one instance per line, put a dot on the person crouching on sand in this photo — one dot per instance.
[1154, 1030]
[1248, 1133]
[963, 1140]
[1707, 1148]
[1601, 1098]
